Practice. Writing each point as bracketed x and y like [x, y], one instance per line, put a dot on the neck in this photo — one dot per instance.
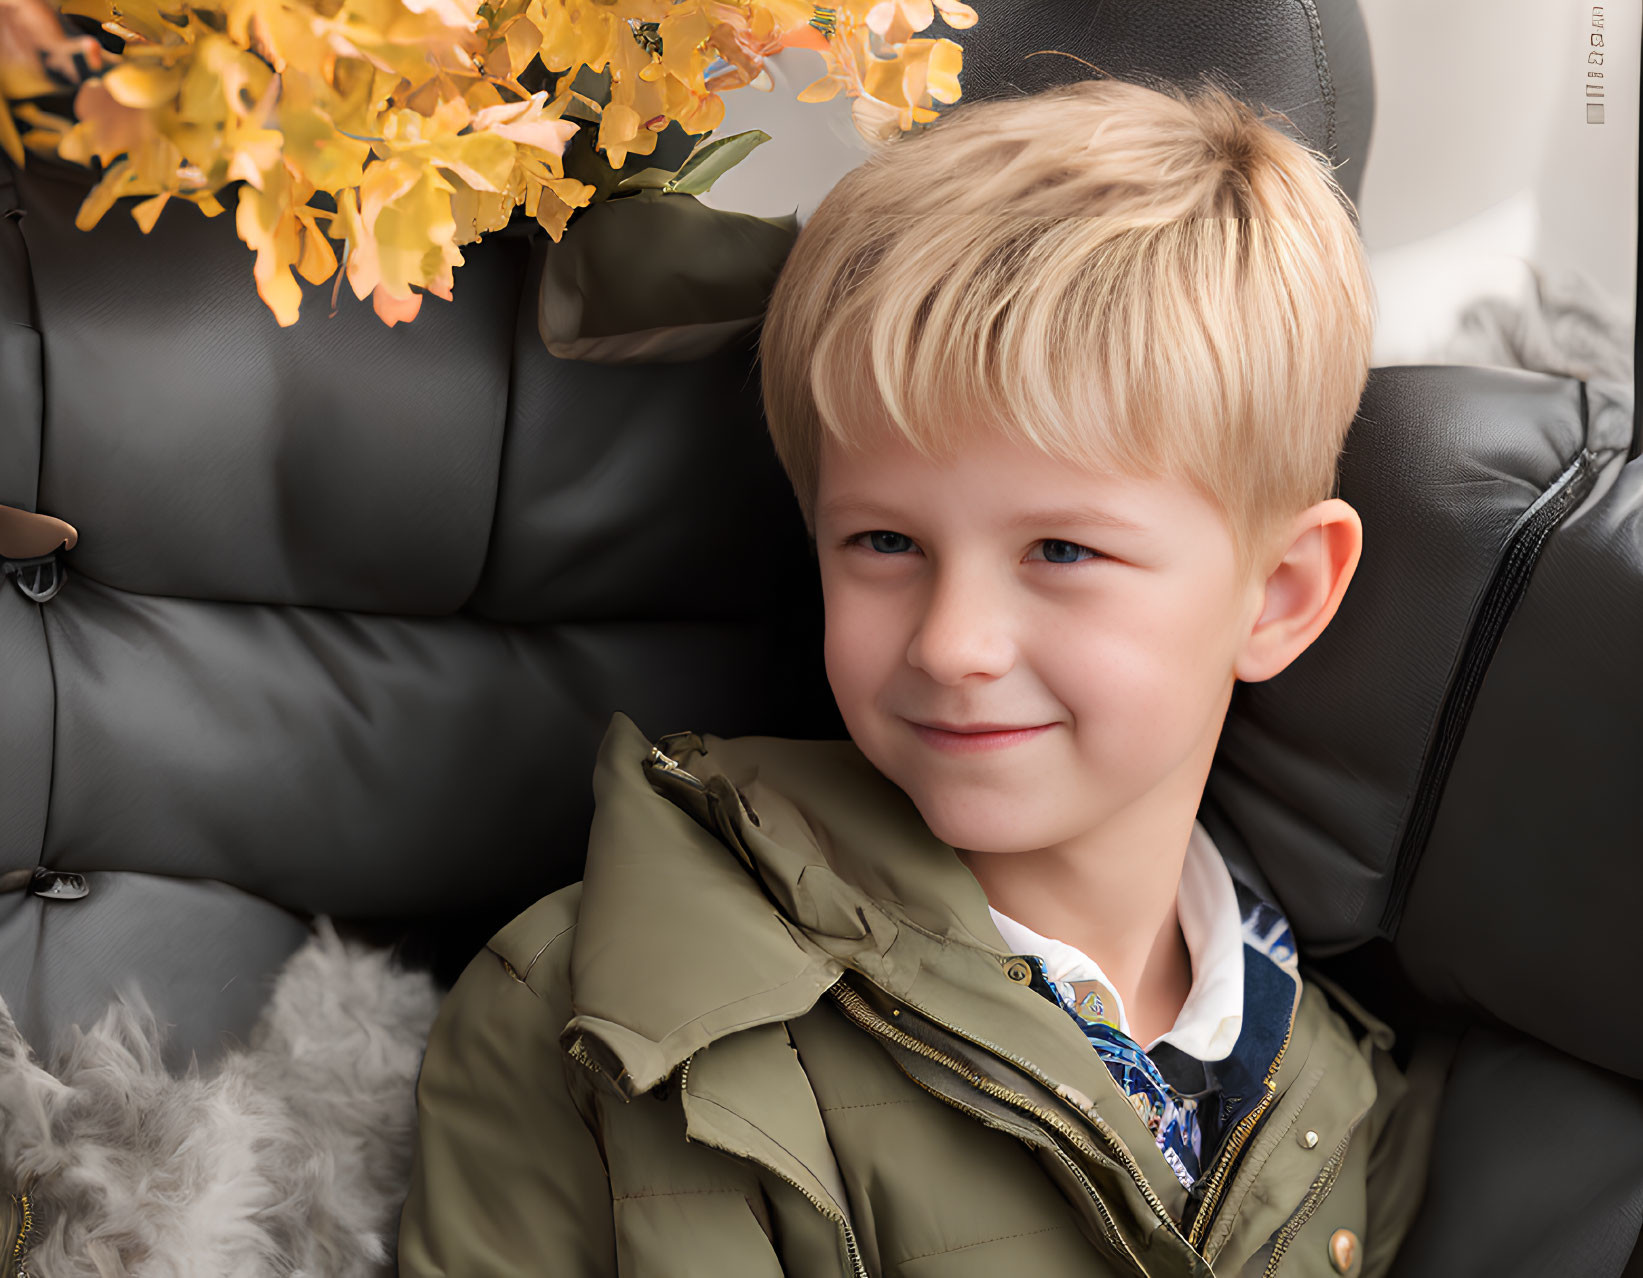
[1111, 893]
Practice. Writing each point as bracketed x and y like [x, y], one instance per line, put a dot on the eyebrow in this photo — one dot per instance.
[1060, 515]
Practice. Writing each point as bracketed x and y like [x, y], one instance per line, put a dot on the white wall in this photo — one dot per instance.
[812, 144]
[1482, 161]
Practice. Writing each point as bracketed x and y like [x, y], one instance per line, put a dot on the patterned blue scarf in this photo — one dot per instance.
[1182, 1100]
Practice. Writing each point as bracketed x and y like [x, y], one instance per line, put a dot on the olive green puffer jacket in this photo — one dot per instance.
[771, 1032]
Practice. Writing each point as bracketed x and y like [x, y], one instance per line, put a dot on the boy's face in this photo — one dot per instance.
[968, 594]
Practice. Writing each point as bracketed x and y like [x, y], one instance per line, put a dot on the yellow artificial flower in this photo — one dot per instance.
[409, 115]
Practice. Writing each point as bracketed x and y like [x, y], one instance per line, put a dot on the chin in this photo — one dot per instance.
[956, 821]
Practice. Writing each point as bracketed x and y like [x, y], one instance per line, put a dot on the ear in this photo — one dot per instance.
[1304, 589]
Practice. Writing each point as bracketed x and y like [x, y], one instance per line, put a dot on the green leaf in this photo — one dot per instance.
[711, 161]
[583, 161]
[647, 180]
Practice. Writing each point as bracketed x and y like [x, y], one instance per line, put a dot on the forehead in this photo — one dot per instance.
[990, 478]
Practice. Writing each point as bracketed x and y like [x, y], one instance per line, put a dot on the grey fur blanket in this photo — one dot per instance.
[290, 1156]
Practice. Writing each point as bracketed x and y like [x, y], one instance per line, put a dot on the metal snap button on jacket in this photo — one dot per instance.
[1343, 1249]
[1018, 969]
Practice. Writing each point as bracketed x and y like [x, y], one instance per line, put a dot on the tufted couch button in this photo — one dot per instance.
[53, 885]
[38, 579]
[1343, 1250]
[56, 885]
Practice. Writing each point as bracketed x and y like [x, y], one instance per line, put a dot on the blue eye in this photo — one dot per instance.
[897, 542]
[1054, 549]
[878, 537]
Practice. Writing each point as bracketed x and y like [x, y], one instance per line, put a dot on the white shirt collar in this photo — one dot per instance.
[1213, 1015]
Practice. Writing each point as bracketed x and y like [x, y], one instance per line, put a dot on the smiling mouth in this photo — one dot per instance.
[972, 738]
[972, 728]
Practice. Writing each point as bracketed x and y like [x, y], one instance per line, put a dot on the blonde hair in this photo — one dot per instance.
[1143, 280]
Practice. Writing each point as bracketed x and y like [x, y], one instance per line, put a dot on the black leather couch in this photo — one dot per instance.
[351, 606]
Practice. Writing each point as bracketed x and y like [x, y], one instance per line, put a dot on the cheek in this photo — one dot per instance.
[1134, 671]
[859, 643]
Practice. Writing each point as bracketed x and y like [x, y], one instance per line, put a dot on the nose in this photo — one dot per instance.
[965, 628]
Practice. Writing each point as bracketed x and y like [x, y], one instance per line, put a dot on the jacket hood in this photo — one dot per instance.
[734, 890]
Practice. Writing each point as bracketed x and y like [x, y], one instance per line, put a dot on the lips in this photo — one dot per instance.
[977, 727]
[975, 737]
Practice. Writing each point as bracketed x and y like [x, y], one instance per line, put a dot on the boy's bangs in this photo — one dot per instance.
[1087, 338]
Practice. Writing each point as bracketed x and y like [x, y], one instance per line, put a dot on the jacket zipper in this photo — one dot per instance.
[1500, 600]
[1117, 1148]
[1111, 1227]
[1321, 1186]
[1109, 1224]
[1220, 1174]
[842, 1222]
[18, 1266]
[672, 768]
[858, 1010]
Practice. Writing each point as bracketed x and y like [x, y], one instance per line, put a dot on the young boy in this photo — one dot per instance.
[1060, 385]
